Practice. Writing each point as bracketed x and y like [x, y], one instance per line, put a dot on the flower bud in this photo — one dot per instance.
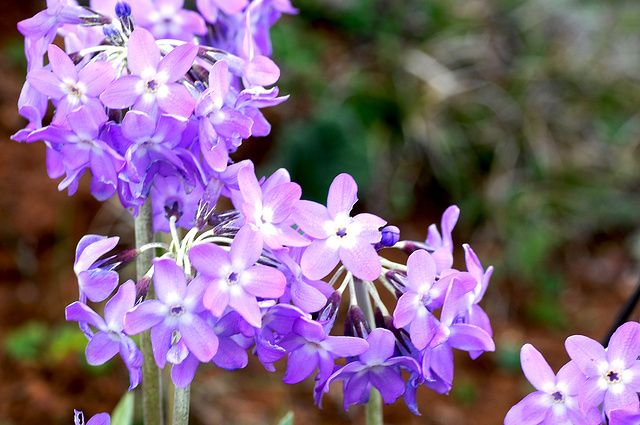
[390, 236]
[142, 289]
[123, 10]
[356, 323]
[327, 314]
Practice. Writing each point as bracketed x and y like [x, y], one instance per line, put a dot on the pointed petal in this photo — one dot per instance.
[343, 194]
[161, 343]
[381, 346]
[209, 259]
[61, 64]
[182, 374]
[46, 83]
[101, 348]
[531, 410]
[82, 313]
[143, 316]
[389, 382]
[264, 282]
[300, 365]
[143, 55]
[199, 337]
[117, 306]
[362, 260]
[345, 346]
[311, 217]
[178, 100]
[97, 76]
[247, 306]
[421, 270]
[169, 281]
[319, 259]
[586, 352]
[122, 93]
[97, 284]
[244, 249]
[176, 64]
[216, 298]
[471, 338]
[625, 344]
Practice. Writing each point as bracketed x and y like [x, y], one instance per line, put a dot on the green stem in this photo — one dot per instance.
[181, 406]
[151, 383]
[374, 405]
[374, 408]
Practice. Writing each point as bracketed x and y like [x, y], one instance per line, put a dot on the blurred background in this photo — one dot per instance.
[522, 112]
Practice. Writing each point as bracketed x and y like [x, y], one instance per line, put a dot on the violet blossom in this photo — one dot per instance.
[338, 236]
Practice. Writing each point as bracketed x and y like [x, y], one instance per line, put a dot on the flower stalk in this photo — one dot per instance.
[374, 405]
[152, 384]
[181, 405]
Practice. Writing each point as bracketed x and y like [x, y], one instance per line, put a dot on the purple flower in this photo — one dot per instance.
[152, 83]
[45, 23]
[110, 339]
[68, 86]
[556, 398]
[216, 120]
[453, 332]
[211, 8]
[423, 293]
[310, 348]
[178, 308]
[234, 279]
[98, 419]
[150, 141]
[613, 375]
[169, 196]
[309, 295]
[377, 367]
[339, 237]
[267, 210]
[442, 245]
[95, 283]
[168, 19]
[81, 146]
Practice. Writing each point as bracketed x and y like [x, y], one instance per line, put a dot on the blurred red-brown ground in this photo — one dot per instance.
[41, 227]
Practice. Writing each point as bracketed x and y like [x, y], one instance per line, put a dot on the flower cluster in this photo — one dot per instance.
[598, 384]
[268, 277]
[148, 96]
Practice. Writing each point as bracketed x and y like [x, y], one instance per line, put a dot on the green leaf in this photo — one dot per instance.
[287, 419]
[123, 413]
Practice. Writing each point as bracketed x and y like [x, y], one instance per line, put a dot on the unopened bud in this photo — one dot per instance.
[123, 9]
[390, 237]
[356, 323]
[142, 289]
[327, 314]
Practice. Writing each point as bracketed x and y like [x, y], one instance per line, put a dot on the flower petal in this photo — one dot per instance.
[586, 352]
[178, 61]
[531, 410]
[199, 337]
[319, 259]
[143, 316]
[119, 304]
[264, 282]
[382, 344]
[361, 259]
[536, 369]
[101, 348]
[300, 365]
[625, 344]
[169, 281]
[343, 194]
[143, 55]
[122, 93]
[421, 270]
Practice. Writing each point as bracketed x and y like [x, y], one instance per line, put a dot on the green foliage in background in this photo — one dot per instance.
[525, 113]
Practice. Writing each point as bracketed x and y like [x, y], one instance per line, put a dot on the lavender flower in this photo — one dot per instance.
[442, 245]
[613, 374]
[268, 210]
[168, 19]
[310, 348]
[338, 236]
[234, 279]
[422, 294]
[69, 87]
[211, 8]
[95, 282]
[109, 338]
[152, 83]
[556, 398]
[81, 147]
[377, 367]
[178, 308]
